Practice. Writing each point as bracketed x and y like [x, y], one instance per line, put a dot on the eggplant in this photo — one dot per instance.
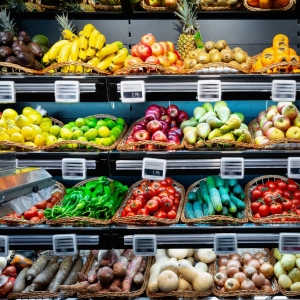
[5, 51]
[25, 59]
[36, 49]
[6, 38]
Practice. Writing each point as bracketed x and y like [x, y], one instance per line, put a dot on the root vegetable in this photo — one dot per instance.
[267, 269]
[3, 264]
[245, 257]
[254, 262]
[128, 253]
[92, 276]
[220, 279]
[239, 276]
[37, 267]
[131, 271]
[223, 260]
[231, 271]
[81, 277]
[152, 283]
[95, 253]
[201, 267]
[266, 288]
[116, 285]
[178, 253]
[231, 284]
[258, 279]
[235, 256]
[143, 265]
[77, 287]
[105, 275]
[120, 267]
[20, 282]
[108, 257]
[247, 284]
[234, 263]
[94, 288]
[52, 261]
[6, 288]
[138, 278]
[72, 277]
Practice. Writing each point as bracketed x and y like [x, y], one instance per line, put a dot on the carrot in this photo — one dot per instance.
[142, 266]
[37, 267]
[128, 253]
[131, 271]
[77, 287]
[120, 266]
[116, 285]
[96, 287]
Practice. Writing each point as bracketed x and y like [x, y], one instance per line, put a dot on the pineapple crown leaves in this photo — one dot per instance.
[63, 21]
[6, 23]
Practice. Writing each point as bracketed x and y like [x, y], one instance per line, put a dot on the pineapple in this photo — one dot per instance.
[6, 24]
[82, 7]
[20, 6]
[186, 13]
[67, 28]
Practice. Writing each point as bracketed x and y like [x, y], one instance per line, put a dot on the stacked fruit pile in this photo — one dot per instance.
[162, 3]
[268, 4]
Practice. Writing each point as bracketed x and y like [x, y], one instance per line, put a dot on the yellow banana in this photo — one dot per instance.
[75, 49]
[100, 42]
[114, 67]
[120, 57]
[90, 53]
[94, 62]
[82, 55]
[126, 60]
[105, 63]
[72, 68]
[45, 59]
[119, 44]
[69, 35]
[88, 29]
[84, 42]
[93, 38]
[54, 50]
[80, 33]
[108, 49]
[79, 69]
[64, 53]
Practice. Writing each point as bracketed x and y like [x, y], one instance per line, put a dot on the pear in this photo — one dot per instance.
[191, 137]
[193, 119]
[277, 254]
[204, 118]
[208, 106]
[215, 133]
[199, 112]
[294, 274]
[247, 135]
[219, 104]
[223, 113]
[203, 130]
[244, 126]
[233, 122]
[187, 128]
[240, 115]
[188, 123]
[242, 138]
[214, 122]
[228, 136]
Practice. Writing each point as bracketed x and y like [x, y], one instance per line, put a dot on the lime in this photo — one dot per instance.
[37, 129]
[91, 134]
[74, 128]
[103, 131]
[111, 124]
[45, 126]
[9, 113]
[45, 134]
[50, 140]
[13, 129]
[22, 121]
[107, 141]
[72, 124]
[120, 121]
[39, 140]
[120, 126]
[67, 126]
[77, 134]
[101, 123]
[54, 130]
[82, 138]
[26, 110]
[35, 117]
[72, 146]
[107, 119]
[116, 131]
[97, 127]
[4, 136]
[90, 147]
[84, 128]
[66, 134]
[113, 137]
[92, 123]
[80, 122]
[28, 133]
[61, 146]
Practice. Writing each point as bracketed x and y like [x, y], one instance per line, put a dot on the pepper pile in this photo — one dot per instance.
[97, 199]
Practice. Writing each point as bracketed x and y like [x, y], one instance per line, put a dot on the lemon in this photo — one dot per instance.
[66, 134]
[91, 134]
[17, 138]
[39, 140]
[4, 136]
[22, 121]
[10, 122]
[45, 134]
[30, 144]
[80, 122]
[45, 126]
[77, 134]
[3, 129]
[35, 117]
[37, 129]
[104, 132]
[54, 130]
[50, 140]
[26, 110]
[13, 129]
[82, 138]
[46, 119]
[9, 113]
[72, 146]
[28, 133]
[3, 123]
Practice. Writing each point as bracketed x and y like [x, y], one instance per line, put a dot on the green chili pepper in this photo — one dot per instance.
[92, 185]
[86, 191]
[103, 180]
[98, 191]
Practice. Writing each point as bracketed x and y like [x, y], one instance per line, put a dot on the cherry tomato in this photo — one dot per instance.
[160, 214]
[163, 183]
[275, 208]
[171, 190]
[35, 219]
[255, 194]
[296, 194]
[152, 206]
[130, 214]
[286, 204]
[127, 209]
[287, 194]
[144, 183]
[268, 199]
[136, 205]
[255, 206]
[171, 214]
[139, 191]
[41, 205]
[40, 214]
[166, 204]
[155, 185]
[54, 199]
[143, 212]
[270, 184]
[292, 186]
[264, 210]
[49, 205]
[281, 184]
[257, 216]
[142, 198]
[169, 181]
[150, 192]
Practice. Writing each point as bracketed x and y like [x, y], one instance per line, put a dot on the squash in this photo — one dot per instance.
[161, 256]
[153, 279]
[167, 281]
[196, 257]
[191, 260]
[171, 265]
[177, 253]
[190, 252]
[201, 267]
[201, 281]
[207, 255]
[184, 285]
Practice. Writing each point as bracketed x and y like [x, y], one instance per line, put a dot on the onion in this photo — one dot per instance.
[254, 262]
[220, 279]
[249, 271]
[258, 279]
[263, 259]
[231, 284]
[231, 271]
[267, 282]
[234, 263]
[247, 285]
[266, 269]
[245, 257]
[259, 254]
[223, 269]
[222, 290]
[240, 276]
[223, 260]
[266, 288]
[235, 256]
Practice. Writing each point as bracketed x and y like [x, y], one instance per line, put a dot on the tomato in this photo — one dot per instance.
[160, 214]
[166, 204]
[287, 194]
[296, 203]
[161, 189]
[176, 202]
[152, 206]
[255, 206]
[171, 214]
[171, 190]
[57, 194]
[156, 198]
[30, 214]
[297, 211]
[260, 187]
[35, 219]
[275, 208]
[163, 183]
[292, 186]
[155, 185]
[130, 214]
[175, 208]
[40, 214]
[127, 209]
[177, 195]
[15, 215]
[257, 216]
[33, 208]
[136, 205]
[268, 199]
[142, 198]
[296, 194]
[281, 184]
[266, 192]
[49, 205]
[270, 184]
[278, 191]
[144, 183]
[123, 213]
[54, 199]
[264, 210]
[130, 201]
[163, 194]
[41, 205]
[139, 191]
[277, 196]
[286, 204]
[255, 194]
[150, 192]
[143, 212]
[169, 181]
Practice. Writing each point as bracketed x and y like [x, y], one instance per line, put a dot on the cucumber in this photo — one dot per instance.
[226, 185]
[189, 211]
[197, 208]
[215, 199]
[239, 214]
[203, 189]
[210, 183]
[224, 211]
[231, 207]
[205, 209]
[239, 192]
[219, 181]
[210, 207]
[224, 196]
[192, 197]
[237, 202]
[199, 196]
[232, 182]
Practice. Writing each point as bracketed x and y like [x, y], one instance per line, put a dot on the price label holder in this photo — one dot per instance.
[289, 243]
[294, 167]
[144, 244]
[209, 90]
[7, 92]
[67, 91]
[4, 245]
[284, 90]
[73, 168]
[225, 243]
[133, 91]
[64, 244]
[232, 167]
[154, 169]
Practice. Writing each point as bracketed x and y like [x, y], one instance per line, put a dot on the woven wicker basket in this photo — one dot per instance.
[16, 221]
[145, 6]
[104, 7]
[280, 144]
[222, 8]
[9, 68]
[131, 294]
[244, 293]
[47, 7]
[140, 69]
[252, 8]
[78, 145]
[180, 294]
[148, 220]
[141, 145]
[215, 219]
[272, 218]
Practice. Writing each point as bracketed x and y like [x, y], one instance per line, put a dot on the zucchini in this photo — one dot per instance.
[224, 211]
[226, 185]
[199, 196]
[232, 182]
[203, 189]
[197, 208]
[210, 183]
[215, 199]
[239, 214]
[210, 207]
[239, 192]
[189, 211]
[219, 181]
[224, 196]
[231, 207]
[192, 197]
[237, 202]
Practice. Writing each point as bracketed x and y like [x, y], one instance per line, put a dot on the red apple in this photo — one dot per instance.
[152, 60]
[155, 3]
[141, 135]
[182, 116]
[283, 123]
[151, 116]
[171, 45]
[166, 47]
[274, 133]
[166, 119]
[143, 122]
[130, 140]
[173, 123]
[266, 126]
[157, 49]
[137, 127]
[172, 57]
[259, 140]
[163, 110]
[159, 136]
[271, 113]
[134, 61]
[290, 111]
[148, 39]
[133, 50]
[281, 105]
[178, 55]
[276, 117]
[177, 130]
[155, 107]
[172, 111]
[171, 3]
[163, 60]
[154, 126]
[175, 138]
[261, 115]
[165, 127]
[175, 68]
[143, 51]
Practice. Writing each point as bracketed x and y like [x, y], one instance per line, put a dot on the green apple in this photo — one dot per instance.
[80, 122]
[54, 130]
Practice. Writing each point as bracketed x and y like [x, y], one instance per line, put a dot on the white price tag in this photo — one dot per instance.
[289, 243]
[294, 167]
[232, 167]
[209, 90]
[73, 168]
[225, 243]
[154, 169]
[4, 245]
[67, 91]
[64, 244]
[144, 244]
[7, 92]
[133, 91]
[284, 90]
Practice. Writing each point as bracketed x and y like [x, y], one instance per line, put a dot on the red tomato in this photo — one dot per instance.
[144, 183]
[264, 210]
[266, 192]
[255, 206]
[278, 191]
[35, 219]
[136, 205]
[160, 214]
[152, 206]
[286, 204]
[40, 214]
[297, 211]
[57, 194]
[270, 184]
[129, 201]
[287, 194]
[161, 189]
[277, 196]
[127, 209]
[156, 198]
[171, 214]
[255, 194]
[49, 205]
[169, 181]
[150, 192]
[171, 190]
[176, 202]
[296, 194]
[296, 203]
[130, 214]
[260, 187]
[54, 199]
[281, 184]
[257, 216]
[275, 208]
[142, 199]
[177, 195]
[155, 185]
[163, 194]
[175, 208]
[166, 204]
[163, 183]
[292, 186]
[143, 212]
[41, 205]
[123, 213]
[139, 191]
[171, 196]
[30, 214]
[268, 199]
[15, 215]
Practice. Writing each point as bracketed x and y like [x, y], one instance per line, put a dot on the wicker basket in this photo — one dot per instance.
[9, 69]
[243, 293]
[180, 294]
[16, 221]
[272, 218]
[222, 8]
[280, 144]
[141, 145]
[104, 7]
[252, 8]
[215, 219]
[141, 69]
[145, 6]
[78, 145]
[148, 220]
[47, 7]
[131, 294]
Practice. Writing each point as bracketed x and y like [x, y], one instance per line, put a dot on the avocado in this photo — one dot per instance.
[24, 37]
[25, 59]
[5, 51]
[12, 60]
[41, 40]
[35, 48]
[6, 38]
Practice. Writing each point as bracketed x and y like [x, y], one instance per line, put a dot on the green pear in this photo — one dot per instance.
[245, 132]
[244, 126]
[277, 254]
[234, 122]
[208, 107]
[240, 115]
[241, 138]
[191, 137]
[288, 261]
[204, 118]
[223, 113]
[188, 123]
[219, 104]
[294, 274]
[297, 263]
[203, 130]
[215, 133]
[199, 112]
[227, 136]
[214, 122]
[193, 119]
[187, 128]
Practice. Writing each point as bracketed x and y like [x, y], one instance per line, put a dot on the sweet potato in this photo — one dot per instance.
[81, 277]
[94, 288]
[95, 253]
[108, 257]
[105, 275]
[120, 266]
[143, 265]
[78, 287]
[128, 253]
[116, 285]
[138, 278]
[131, 271]
[92, 276]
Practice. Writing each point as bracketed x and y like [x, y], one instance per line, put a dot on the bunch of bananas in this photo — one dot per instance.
[89, 47]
